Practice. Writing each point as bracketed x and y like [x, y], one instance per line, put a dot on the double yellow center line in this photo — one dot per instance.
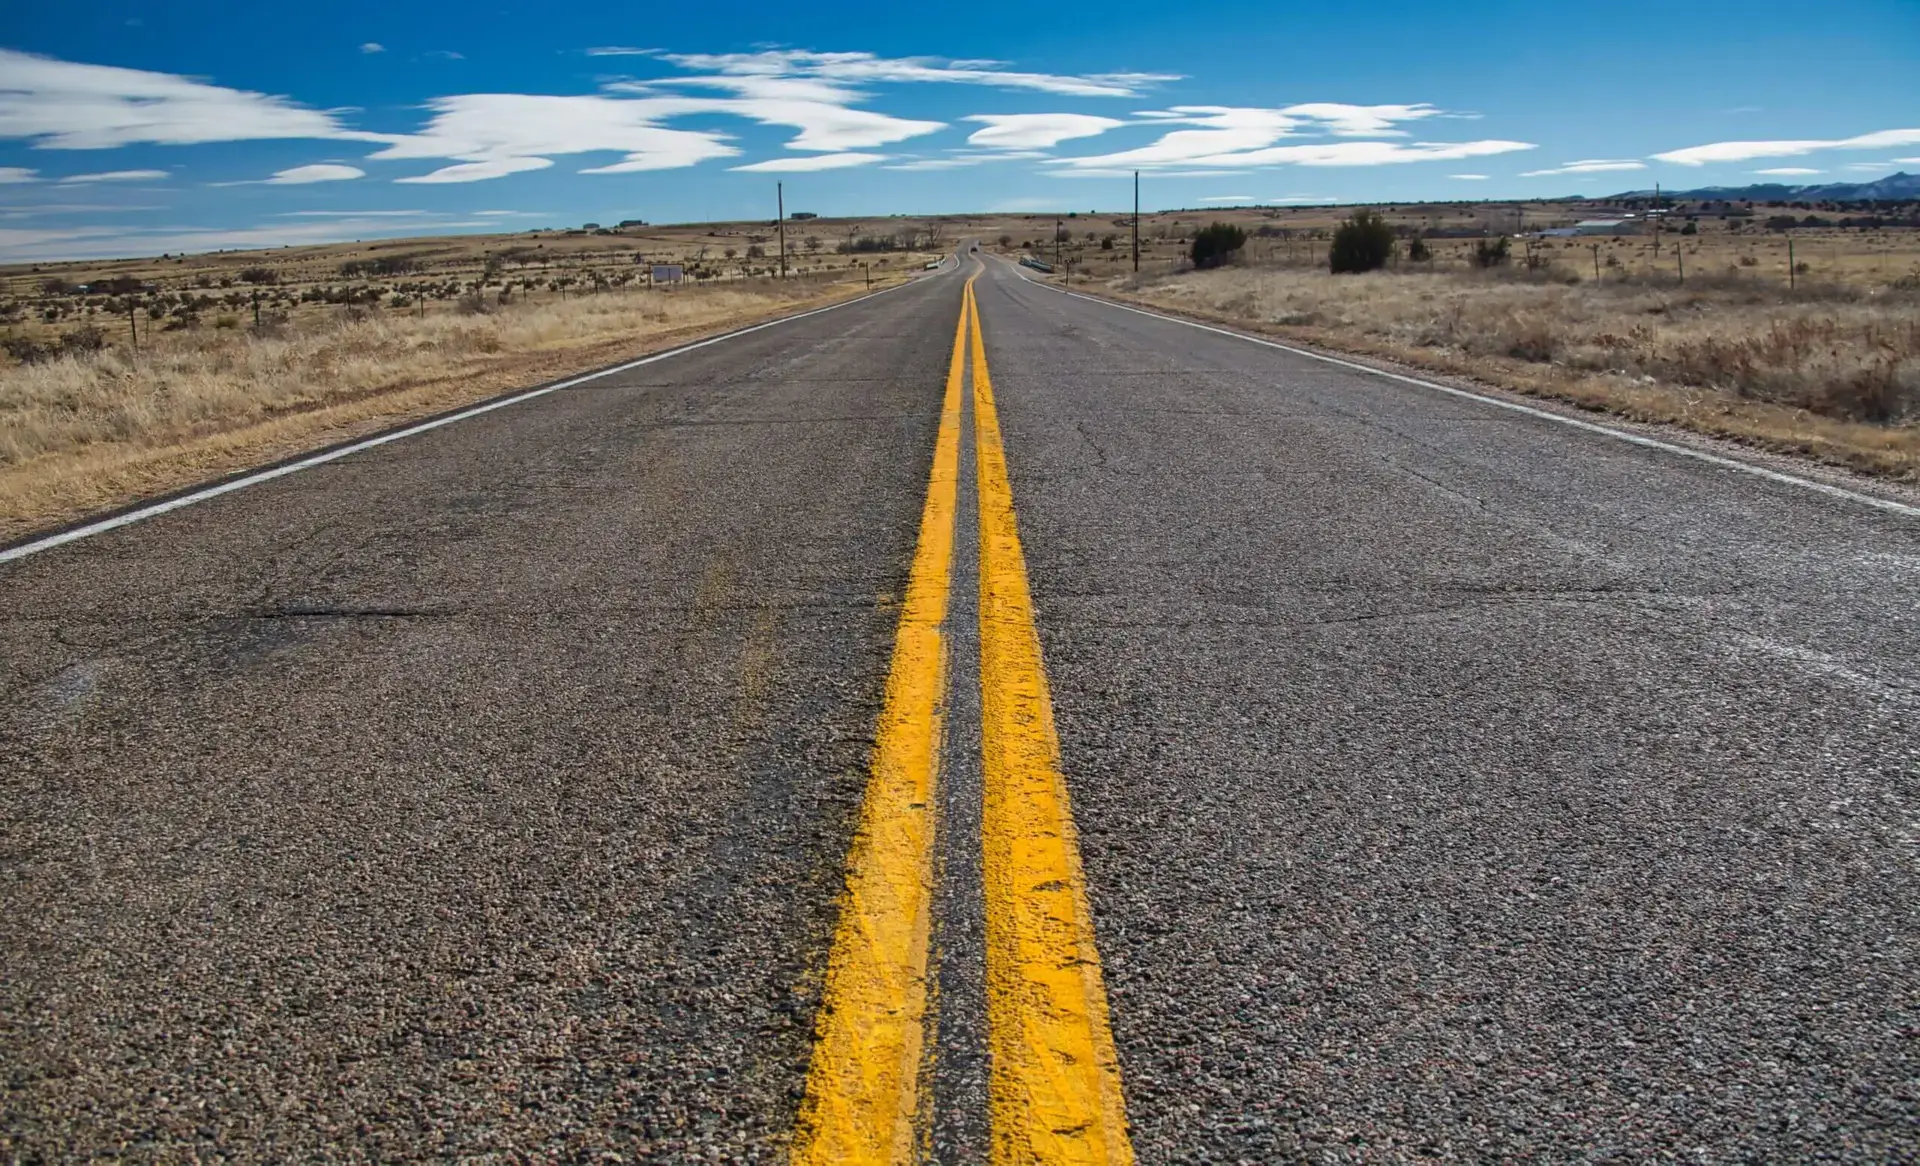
[1054, 1086]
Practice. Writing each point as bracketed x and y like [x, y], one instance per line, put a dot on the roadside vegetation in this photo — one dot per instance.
[1799, 333]
[89, 427]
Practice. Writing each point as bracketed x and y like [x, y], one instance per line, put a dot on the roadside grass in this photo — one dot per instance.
[86, 431]
[1828, 371]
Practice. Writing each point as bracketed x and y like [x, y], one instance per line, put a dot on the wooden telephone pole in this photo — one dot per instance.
[780, 200]
[1136, 222]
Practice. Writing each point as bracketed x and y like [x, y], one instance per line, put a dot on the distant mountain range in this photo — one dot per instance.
[1893, 188]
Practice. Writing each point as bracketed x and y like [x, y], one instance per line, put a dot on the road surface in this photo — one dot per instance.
[1270, 762]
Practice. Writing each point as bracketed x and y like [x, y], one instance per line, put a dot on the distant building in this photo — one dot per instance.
[1606, 227]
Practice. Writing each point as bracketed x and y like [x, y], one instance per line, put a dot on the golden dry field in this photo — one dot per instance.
[1708, 330]
[124, 378]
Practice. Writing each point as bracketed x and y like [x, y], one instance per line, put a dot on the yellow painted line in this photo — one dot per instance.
[1055, 1079]
[863, 1082]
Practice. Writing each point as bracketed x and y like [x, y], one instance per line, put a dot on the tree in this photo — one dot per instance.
[1216, 244]
[1363, 243]
[1418, 251]
[1492, 252]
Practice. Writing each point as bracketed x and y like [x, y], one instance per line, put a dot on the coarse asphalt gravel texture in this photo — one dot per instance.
[1451, 784]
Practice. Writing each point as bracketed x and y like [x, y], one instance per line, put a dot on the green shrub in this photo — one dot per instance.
[1492, 252]
[1217, 244]
[1418, 251]
[1362, 243]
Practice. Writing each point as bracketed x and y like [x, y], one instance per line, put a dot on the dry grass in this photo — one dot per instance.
[83, 432]
[1831, 372]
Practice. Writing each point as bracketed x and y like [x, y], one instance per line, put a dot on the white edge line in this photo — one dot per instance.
[1886, 504]
[90, 529]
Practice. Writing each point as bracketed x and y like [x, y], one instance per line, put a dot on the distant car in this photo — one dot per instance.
[936, 263]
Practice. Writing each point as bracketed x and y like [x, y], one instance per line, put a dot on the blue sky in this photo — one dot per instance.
[130, 128]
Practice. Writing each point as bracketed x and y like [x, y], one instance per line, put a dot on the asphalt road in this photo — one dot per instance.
[1449, 783]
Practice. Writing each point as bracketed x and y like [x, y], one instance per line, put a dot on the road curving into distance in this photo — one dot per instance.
[970, 724]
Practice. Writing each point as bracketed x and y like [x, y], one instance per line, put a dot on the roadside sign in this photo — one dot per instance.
[668, 273]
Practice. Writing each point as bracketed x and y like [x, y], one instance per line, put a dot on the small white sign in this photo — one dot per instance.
[668, 273]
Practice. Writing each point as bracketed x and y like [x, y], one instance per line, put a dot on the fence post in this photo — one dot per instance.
[1791, 271]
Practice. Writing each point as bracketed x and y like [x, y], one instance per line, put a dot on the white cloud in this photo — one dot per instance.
[1789, 172]
[352, 214]
[479, 171]
[69, 209]
[1029, 131]
[115, 176]
[960, 159]
[1469, 177]
[116, 242]
[446, 55]
[59, 105]
[861, 68]
[1220, 199]
[496, 134]
[813, 162]
[1907, 161]
[1868, 167]
[1240, 137]
[14, 175]
[1114, 172]
[1588, 166]
[373, 47]
[318, 172]
[1745, 151]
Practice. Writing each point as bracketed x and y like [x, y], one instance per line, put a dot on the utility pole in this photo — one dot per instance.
[1136, 222]
[780, 198]
[1791, 272]
[1058, 224]
[133, 325]
[1596, 262]
[1656, 220]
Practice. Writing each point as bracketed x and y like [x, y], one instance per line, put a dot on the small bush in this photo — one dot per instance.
[1418, 251]
[1362, 243]
[1492, 252]
[1216, 244]
[226, 320]
[473, 304]
[258, 276]
[82, 341]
